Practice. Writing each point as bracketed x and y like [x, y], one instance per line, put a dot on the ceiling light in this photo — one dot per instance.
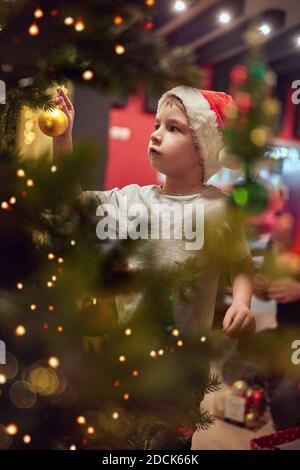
[265, 29]
[179, 6]
[224, 17]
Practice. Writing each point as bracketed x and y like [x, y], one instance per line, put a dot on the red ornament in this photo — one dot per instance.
[239, 75]
[257, 398]
[54, 12]
[148, 25]
[243, 101]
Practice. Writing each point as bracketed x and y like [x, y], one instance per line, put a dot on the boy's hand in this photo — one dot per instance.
[238, 321]
[67, 107]
[285, 290]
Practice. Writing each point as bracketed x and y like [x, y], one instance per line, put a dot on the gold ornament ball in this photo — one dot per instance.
[259, 136]
[251, 419]
[53, 123]
[239, 388]
[271, 107]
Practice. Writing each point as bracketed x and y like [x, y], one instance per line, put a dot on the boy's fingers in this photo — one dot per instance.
[227, 319]
[66, 99]
[236, 325]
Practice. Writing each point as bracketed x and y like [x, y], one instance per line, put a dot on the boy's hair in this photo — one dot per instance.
[171, 100]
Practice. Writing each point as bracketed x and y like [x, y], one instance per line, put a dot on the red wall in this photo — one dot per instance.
[127, 161]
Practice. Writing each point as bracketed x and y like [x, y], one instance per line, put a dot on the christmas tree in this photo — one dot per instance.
[76, 375]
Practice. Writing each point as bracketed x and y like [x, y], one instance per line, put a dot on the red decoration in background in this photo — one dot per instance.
[239, 75]
[243, 101]
[148, 26]
[257, 397]
[54, 12]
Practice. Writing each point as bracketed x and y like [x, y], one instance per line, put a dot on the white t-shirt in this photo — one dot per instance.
[218, 238]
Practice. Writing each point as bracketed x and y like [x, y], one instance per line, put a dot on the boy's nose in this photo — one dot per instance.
[155, 137]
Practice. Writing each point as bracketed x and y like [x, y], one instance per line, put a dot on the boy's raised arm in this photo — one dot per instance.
[64, 143]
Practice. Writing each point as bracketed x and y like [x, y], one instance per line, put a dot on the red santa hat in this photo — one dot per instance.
[205, 111]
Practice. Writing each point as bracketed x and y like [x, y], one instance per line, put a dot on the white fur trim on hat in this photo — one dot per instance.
[203, 123]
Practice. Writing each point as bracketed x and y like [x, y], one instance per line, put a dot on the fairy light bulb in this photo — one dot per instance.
[119, 49]
[53, 362]
[20, 330]
[38, 13]
[34, 30]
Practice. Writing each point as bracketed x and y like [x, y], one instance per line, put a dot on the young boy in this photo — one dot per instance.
[184, 146]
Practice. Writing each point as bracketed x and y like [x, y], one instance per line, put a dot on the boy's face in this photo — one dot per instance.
[172, 138]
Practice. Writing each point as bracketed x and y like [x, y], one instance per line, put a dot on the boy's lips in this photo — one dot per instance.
[154, 150]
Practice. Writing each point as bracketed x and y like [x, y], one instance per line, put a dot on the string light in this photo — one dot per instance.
[4, 205]
[20, 330]
[161, 352]
[175, 332]
[20, 173]
[69, 20]
[117, 383]
[73, 447]
[118, 19]
[60, 260]
[50, 308]
[126, 396]
[12, 200]
[180, 343]
[11, 429]
[50, 284]
[20, 285]
[2, 379]
[122, 358]
[26, 439]
[38, 13]
[53, 169]
[88, 75]
[150, 3]
[34, 30]
[33, 307]
[81, 420]
[119, 49]
[135, 373]
[51, 256]
[203, 339]
[153, 354]
[53, 362]
[54, 278]
[60, 329]
[72, 242]
[79, 25]
[30, 183]
[94, 301]
[128, 332]
[91, 430]
[115, 415]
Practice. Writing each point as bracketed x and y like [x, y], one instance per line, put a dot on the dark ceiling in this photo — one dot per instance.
[224, 45]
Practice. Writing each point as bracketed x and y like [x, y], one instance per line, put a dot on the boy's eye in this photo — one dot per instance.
[156, 126]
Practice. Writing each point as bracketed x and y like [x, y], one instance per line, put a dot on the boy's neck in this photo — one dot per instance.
[180, 187]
